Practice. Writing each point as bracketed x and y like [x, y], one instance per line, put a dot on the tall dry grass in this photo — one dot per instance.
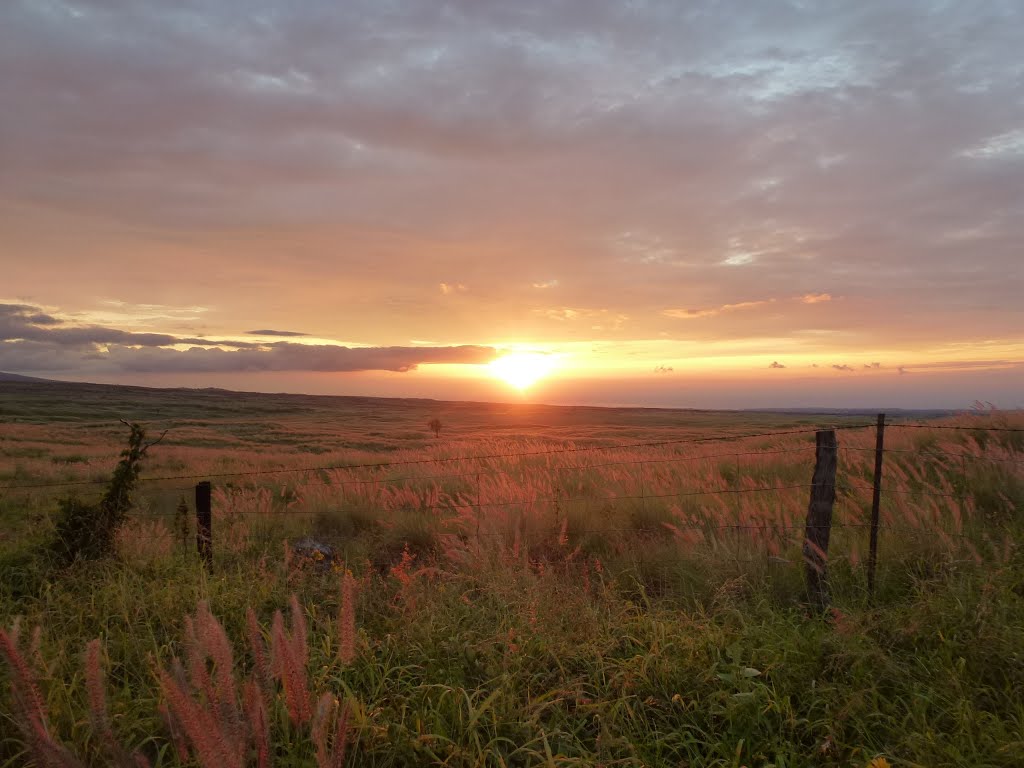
[214, 713]
[592, 606]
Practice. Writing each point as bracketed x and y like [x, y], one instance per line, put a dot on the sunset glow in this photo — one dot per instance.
[522, 369]
[516, 350]
[717, 204]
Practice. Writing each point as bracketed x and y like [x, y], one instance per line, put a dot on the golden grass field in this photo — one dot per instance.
[510, 570]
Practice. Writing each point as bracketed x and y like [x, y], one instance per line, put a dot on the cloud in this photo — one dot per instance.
[447, 288]
[776, 364]
[546, 284]
[873, 366]
[12, 315]
[663, 369]
[352, 154]
[286, 356]
[29, 342]
[17, 315]
[902, 370]
[843, 367]
[690, 314]
[563, 313]
[1005, 145]
[966, 365]
[20, 322]
[268, 332]
[600, 319]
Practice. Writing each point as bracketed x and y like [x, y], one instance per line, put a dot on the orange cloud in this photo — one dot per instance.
[691, 314]
[448, 288]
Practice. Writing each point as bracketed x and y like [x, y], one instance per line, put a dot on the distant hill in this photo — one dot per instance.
[19, 377]
[30, 399]
[76, 391]
[921, 413]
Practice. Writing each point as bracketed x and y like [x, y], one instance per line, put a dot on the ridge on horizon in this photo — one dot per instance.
[6, 377]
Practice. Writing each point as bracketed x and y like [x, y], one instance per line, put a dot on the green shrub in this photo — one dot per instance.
[86, 531]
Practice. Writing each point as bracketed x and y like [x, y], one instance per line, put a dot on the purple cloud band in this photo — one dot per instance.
[35, 341]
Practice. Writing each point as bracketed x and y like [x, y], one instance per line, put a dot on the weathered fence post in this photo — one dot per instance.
[204, 532]
[479, 509]
[181, 527]
[819, 519]
[876, 498]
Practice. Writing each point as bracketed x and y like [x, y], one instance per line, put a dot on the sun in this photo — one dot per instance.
[522, 369]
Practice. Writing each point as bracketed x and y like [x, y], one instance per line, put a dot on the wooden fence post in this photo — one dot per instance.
[204, 532]
[876, 499]
[819, 519]
[479, 509]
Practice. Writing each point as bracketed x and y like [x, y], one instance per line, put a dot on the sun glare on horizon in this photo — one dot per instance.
[522, 369]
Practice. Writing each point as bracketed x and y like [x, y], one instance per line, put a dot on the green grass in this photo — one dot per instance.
[620, 646]
[509, 665]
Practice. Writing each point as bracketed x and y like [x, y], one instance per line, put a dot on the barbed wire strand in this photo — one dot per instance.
[956, 427]
[441, 460]
[936, 454]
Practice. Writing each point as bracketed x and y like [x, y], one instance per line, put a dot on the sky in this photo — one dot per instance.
[706, 204]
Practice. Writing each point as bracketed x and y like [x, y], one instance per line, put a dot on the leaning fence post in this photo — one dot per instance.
[204, 532]
[876, 498]
[819, 519]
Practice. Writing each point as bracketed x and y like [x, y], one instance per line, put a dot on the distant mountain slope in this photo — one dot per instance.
[19, 377]
[25, 398]
[921, 413]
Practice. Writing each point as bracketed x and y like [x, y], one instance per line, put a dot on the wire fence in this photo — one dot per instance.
[517, 455]
[641, 498]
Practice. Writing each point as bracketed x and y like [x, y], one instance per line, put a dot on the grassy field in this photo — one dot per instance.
[575, 599]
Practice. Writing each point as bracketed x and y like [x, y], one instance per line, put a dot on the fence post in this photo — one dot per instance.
[181, 522]
[479, 509]
[204, 532]
[876, 498]
[819, 519]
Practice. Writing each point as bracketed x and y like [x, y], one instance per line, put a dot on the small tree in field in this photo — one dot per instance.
[87, 530]
[435, 426]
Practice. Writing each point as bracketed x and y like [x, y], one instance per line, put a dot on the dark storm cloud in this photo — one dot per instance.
[652, 154]
[27, 343]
